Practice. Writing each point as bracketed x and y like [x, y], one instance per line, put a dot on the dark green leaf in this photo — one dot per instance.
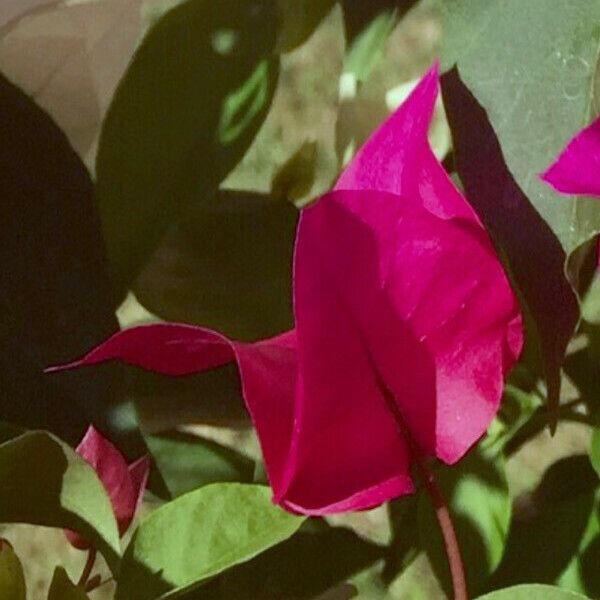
[12, 579]
[532, 69]
[183, 115]
[532, 592]
[534, 255]
[477, 493]
[199, 535]
[595, 451]
[56, 295]
[558, 525]
[62, 588]
[300, 19]
[187, 462]
[44, 482]
[227, 266]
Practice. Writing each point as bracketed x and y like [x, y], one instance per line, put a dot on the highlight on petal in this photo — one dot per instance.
[397, 158]
[420, 302]
[577, 169]
[124, 484]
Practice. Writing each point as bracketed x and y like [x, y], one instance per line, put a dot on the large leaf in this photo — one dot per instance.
[44, 482]
[62, 588]
[477, 493]
[183, 115]
[55, 299]
[534, 255]
[187, 462]
[227, 266]
[199, 535]
[532, 592]
[12, 579]
[531, 67]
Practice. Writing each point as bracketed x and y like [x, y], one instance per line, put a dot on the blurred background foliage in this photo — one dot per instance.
[154, 157]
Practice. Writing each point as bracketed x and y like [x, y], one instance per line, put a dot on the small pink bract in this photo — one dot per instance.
[125, 484]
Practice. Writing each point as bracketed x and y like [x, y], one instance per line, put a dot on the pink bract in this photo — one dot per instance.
[125, 484]
[398, 293]
[577, 169]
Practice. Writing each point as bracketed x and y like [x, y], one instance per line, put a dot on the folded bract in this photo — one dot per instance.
[398, 293]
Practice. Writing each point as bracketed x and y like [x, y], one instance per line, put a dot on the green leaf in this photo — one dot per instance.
[199, 535]
[532, 592]
[477, 494]
[300, 19]
[558, 525]
[595, 451]
[12, 579]
[536, 86]
[367, 47]
[532, 69]
[44, 482]
[227, 266]
[187, 462]
[62, 588]
[190, 103]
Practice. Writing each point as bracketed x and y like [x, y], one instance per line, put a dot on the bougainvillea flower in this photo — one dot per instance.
[577, 169]
[403, 312]
[124, 484]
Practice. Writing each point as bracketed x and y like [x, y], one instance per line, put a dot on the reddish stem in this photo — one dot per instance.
[87, 569]
[455, 562]
[442, 512]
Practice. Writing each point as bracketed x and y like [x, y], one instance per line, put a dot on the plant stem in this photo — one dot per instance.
[455, 561]
[87, 569]
[442, 512]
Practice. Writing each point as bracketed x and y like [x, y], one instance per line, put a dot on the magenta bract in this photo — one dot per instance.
[397, 290]
[125, 484]
[577, 169]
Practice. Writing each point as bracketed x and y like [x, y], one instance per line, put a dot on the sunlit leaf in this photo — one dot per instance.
[44, 482]
[199, 535]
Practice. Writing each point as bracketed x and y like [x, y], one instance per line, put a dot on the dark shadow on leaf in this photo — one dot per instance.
[301, 568]
[56, 298]
[226, 266]
[187, 461]
[547, 529]
[534, 255]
